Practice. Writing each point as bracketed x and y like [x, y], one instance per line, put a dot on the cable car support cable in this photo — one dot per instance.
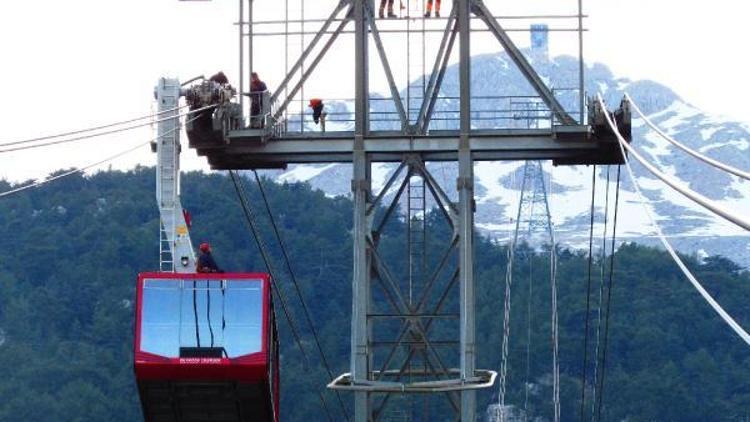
[609, 297]
[91, 129]
[693, 280]
[297, 289]
[588, 292]
[252, 223]
[706, 203]
[708, 160]
[109, 132]
[602, 268]
[85, 168]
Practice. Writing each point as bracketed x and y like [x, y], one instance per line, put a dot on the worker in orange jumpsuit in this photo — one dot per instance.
[319, 116]
[429, 8]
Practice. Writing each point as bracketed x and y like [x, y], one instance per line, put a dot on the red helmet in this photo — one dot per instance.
[205, 247]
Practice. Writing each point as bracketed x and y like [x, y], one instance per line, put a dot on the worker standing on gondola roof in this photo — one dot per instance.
[206, 263]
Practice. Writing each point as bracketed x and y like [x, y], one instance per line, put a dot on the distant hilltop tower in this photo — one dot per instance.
[540, 42]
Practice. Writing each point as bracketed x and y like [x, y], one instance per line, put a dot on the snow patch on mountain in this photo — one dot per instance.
[304, 173]
[740, 144]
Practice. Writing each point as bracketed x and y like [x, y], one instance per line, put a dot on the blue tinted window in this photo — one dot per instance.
[244, 319]
[202, 309]
[161, 318]
[202, 313]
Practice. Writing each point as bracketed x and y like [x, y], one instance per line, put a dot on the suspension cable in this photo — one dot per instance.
[588, 292]
[602, 265]
[91, 129]
[693, 280]
[506, 322]
[555, 326]
[690, 194]
[609, 297]
[109, 132]
[297, 289]
[529, 315]
[706, 159]
[89, 166]
[252, 223]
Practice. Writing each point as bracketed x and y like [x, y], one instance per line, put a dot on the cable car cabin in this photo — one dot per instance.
[206, 347]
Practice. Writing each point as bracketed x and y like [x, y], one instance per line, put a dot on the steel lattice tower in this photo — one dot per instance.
[568, 137]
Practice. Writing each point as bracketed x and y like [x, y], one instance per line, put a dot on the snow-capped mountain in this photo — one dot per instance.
[691, 228]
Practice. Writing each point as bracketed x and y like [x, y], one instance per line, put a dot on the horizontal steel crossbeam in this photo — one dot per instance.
[565, 144]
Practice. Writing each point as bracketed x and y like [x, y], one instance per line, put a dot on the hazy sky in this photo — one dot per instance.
[79, 63]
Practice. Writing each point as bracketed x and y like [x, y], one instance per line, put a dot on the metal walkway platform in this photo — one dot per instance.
[246, 149]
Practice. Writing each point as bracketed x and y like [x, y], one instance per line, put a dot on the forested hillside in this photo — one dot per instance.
[70, 253]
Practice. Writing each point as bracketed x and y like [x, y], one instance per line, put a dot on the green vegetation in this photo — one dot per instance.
[71, 252]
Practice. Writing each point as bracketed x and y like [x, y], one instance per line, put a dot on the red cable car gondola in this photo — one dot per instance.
[206, 347]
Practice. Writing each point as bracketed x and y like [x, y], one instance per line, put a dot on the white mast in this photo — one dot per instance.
[175, 248]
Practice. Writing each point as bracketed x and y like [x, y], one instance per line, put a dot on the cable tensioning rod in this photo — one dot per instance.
[109, 132]
[77, 132]
[588, 293]
[694, 281]
[690, 194]
[609, 300]
[708, 160]
[602, 267]
[252, 223]
[292, 275]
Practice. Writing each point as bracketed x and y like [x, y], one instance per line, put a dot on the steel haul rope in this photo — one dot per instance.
[588, 293]
[252, 223]
[314, 331]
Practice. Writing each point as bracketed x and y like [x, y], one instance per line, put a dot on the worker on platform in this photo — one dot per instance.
[319, 117]
[429, 8]
[257, 90]
[390, 9]
[206, 263]
[220, 78]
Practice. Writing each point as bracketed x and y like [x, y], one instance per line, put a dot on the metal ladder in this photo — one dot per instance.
[417, 208]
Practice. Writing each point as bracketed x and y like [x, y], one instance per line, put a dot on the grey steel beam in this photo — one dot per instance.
[314, 42]
[438, 71]
[394, 203]
[500, 142]
[309, 70]
[581, 66]
[360, 282]
[386, 188]
[465, 185]
[388, 73]
[481, 10]
[242, 52]
[361, 332]
[441, 76]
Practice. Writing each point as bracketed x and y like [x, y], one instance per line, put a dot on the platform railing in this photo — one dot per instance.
[488, 112]
[264, 120]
